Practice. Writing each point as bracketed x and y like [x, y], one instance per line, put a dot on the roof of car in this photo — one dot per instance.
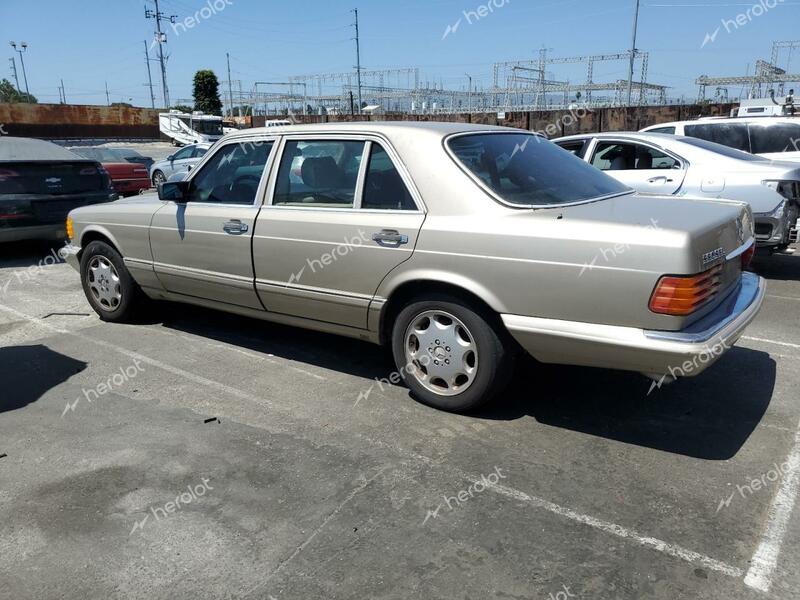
[19, 148]
[384, 127]
[724, 119]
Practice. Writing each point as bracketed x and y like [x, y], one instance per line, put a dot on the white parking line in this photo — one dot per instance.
[620, 531]
[763, 341]
[782, 297]
[764, 561]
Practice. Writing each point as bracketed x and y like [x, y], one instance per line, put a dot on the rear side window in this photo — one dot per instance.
[232, 174]
[776, 137]
[319, 174]
[384, 189]
[527, 170]
[733, 135]
[615, 156]
[669, 130]
[577, 147]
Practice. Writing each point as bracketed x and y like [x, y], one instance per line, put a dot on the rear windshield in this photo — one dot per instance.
[528, 170]
[50, 178]
[775, 137]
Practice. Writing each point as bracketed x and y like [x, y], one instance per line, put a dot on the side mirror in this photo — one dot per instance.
[171, 157]
[188, 168]
[176, 191]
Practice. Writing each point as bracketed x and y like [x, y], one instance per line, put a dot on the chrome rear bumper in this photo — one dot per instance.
[675, 354]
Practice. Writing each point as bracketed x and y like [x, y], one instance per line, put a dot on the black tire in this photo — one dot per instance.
[131, 298]
[495, 358]
[158, 177]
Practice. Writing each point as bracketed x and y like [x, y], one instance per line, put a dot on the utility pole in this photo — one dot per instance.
[161, 38]
[230, 89]
[633, 52]
[63, 94]
[24, 47]
[14, 71]
[149, 77]
[108, 101]
[358, 61]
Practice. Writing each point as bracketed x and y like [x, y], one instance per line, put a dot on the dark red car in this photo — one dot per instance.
[128, 178]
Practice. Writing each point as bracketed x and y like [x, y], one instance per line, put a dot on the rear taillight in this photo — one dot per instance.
[747, 256]
[682, 296]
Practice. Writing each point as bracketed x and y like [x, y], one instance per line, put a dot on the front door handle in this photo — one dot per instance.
[390, 238]
[659, 179]
[235, 227]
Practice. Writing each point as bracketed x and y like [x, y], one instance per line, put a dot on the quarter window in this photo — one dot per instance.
[669, 130]
[319, 174]
[614, 156]
[384, 189]
[232, 174]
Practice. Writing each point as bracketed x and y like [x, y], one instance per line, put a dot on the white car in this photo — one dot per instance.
[181, 162]
[777, 138]
[659, 163]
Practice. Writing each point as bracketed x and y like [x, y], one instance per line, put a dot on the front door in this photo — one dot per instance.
[642, 167]
[201, 247]
[341, 217]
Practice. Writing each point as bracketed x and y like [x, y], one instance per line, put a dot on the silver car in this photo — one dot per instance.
[658, 163]
[457, 246]
[181, 162]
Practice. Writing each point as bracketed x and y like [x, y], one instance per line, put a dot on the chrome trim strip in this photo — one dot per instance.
[741, 249]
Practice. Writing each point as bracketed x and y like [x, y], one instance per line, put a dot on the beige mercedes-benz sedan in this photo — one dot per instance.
[457, 245]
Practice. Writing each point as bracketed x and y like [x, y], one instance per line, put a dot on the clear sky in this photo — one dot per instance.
[91, 42]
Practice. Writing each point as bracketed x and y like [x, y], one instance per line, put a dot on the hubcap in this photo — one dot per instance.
[104, 283]
[441, 353]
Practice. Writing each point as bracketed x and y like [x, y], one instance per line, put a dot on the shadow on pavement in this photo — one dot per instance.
[709, 416]
[27, 372]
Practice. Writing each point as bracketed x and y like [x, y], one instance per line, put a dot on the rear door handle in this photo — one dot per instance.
[389, 238]
[235, 227]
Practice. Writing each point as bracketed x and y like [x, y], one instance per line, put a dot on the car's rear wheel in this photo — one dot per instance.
[158, 177]
[451, 354]
[108, 285]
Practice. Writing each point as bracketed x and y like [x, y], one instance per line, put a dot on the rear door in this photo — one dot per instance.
[643, 167]
[343, 213]
[201, 248]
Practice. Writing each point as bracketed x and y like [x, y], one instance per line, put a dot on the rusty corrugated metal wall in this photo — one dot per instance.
[76, 121]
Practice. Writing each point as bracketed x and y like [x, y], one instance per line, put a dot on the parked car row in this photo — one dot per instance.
[457, 246]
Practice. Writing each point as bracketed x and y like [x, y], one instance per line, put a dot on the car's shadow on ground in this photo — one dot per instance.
[779, 267]
[27, 372]
[710, 416]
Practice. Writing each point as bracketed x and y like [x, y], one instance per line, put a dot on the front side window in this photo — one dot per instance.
[318, 174]
[527, 170]
[384, 189]
[615, 156]
[776, 137]
[733, 135]
[232, 174]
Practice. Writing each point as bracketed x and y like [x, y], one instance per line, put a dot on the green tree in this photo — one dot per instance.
[8, 93]
[206, 92]
[182, 108]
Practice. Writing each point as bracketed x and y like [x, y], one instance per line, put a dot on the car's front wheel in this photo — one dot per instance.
[451, 354]
[158, 177]
[109, 287]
